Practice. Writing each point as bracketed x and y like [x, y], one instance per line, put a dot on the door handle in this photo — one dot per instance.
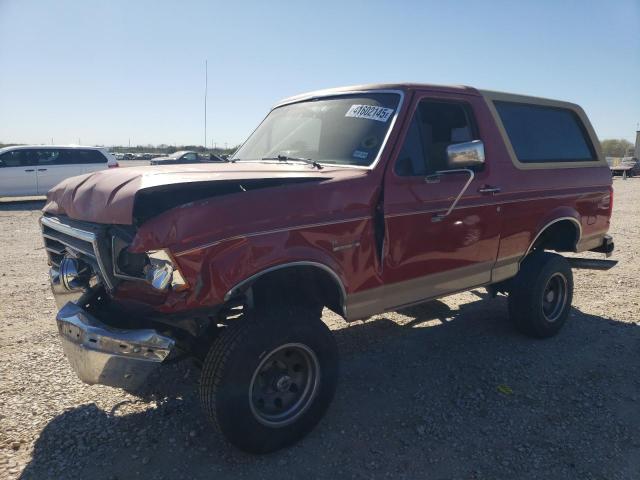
[30, 170]
[42, 169]
[489, 189]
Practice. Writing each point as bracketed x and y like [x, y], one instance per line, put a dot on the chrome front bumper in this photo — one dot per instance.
[109, 356]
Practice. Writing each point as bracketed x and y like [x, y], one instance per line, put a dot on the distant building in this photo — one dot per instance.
[636, 152]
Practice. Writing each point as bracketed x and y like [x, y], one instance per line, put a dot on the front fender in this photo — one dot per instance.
[343, 249]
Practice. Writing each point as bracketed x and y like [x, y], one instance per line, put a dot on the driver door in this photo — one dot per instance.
[428, 252]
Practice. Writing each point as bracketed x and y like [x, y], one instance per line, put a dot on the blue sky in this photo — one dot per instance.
[105, 72]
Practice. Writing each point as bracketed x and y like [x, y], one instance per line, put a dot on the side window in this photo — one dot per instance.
[16, 158]
[435, 125]
[88, 156]
[443, 124]
[541, 134]
[190, 156]
[46, 157]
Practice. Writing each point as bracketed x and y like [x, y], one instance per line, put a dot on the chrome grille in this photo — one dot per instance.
[63, 236]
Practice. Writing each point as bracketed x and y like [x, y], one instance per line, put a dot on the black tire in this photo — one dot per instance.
[231, 372]
[540, 295]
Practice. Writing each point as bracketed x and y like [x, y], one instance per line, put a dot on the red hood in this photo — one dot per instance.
[108, 196]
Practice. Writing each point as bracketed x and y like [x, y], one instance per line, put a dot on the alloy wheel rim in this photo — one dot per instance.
[284, 384]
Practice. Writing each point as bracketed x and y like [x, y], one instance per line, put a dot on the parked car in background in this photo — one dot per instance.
[628, 166]
[182, 156]
[212, 157]
[362, 200]
[34, 170]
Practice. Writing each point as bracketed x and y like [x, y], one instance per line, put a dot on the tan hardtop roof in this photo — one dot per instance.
[517, 98]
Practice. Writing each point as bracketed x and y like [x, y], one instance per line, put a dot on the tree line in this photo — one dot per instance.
[617, 147]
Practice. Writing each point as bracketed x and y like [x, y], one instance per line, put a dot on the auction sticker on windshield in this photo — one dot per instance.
[370, 112]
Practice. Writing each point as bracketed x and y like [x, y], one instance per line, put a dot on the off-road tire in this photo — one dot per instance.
[529, 306]
[230, 369]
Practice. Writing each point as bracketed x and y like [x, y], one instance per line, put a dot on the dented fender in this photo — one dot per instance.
[220, 242]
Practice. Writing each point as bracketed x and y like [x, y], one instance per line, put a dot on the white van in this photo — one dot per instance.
[35, 169]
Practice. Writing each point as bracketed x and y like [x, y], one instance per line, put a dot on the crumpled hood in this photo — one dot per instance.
[109, 196]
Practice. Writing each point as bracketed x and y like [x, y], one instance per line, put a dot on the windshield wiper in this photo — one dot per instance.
[284, 158]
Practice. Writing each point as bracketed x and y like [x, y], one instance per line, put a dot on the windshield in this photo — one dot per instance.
[346, 130]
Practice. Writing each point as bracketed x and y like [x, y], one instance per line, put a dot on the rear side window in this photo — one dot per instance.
[540, 134]
[88, 156]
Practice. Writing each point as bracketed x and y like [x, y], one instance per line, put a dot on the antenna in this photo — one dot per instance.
[206, 84]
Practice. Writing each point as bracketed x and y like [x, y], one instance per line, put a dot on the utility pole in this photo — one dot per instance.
[206, 84]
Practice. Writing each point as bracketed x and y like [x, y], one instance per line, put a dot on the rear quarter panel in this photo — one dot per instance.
[534, 195]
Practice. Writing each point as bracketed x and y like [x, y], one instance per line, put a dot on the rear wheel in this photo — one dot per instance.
[540, 295]
[269, 378]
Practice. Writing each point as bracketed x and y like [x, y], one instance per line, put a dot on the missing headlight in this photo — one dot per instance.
[162, 271]
[127, 265]
[156, 267]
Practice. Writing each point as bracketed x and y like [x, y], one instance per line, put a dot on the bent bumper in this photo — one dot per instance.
[109, 356]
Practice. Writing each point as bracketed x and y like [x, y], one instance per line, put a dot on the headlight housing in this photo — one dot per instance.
[156, 267]
[161, 271]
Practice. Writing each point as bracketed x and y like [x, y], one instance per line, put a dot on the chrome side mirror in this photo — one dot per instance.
[465, 155]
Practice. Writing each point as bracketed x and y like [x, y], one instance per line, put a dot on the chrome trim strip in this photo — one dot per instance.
[322, 266]
[541, 231]
[266, 232]
[86, 252]
[67, 229]
[341, 94]
[346, 246]
[57, 251]
[89, 237]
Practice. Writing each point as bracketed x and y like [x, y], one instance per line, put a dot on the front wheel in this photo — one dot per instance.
[269, 378]
[540, 295]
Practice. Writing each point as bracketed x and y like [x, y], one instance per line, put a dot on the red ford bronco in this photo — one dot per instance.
[362, 200]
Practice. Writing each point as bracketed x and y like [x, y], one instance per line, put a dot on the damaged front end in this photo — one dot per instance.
[131, 257]
[104, 344]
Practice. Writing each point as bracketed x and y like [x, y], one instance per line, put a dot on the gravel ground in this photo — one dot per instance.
[447, 390]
